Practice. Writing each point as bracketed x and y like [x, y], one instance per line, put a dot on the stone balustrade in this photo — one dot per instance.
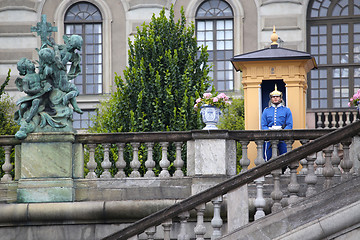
[197, 156]
[331, 118]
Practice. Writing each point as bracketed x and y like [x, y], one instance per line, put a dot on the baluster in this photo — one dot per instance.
[276, 194]
[333, 120]
[200, 228]
[135, 163]
[311, 178]
[346, 164]
[244, 161]
[216, 222]
[303, 162]
[293, 186]
[259, 149]
[326, 122]
[259, 202]
[347, 114]
[355, 116]
[341, 121]
[319, 122]
[358, 170]
[320, 161]
[91, 165]
[120, 163]
[150, 232]
[274, 148]
[178, 163]
[167, 228]
[328, 171]
[106, 164]
[335, 159]
[288, 149]
[183, 220]
[150, 163]
[7, 166]
[164, 163]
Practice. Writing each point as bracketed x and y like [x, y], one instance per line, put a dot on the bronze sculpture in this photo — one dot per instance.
[50, 90]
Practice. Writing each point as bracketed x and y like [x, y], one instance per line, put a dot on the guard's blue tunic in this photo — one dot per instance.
[276, 116]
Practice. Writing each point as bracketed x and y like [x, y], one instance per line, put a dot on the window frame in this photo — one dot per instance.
[215, 50]
[83, 23]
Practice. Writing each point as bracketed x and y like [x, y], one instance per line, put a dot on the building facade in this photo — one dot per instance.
[328, 30]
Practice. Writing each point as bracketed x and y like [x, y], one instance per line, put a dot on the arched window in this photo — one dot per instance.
[214, 28]
[334, 40]
[85, 19]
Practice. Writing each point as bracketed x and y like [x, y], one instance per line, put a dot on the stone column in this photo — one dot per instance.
[46, 165]
[211, 156]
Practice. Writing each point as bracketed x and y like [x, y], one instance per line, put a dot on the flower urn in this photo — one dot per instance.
[210, 116]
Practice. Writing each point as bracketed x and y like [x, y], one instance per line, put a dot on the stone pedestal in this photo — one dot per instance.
[46, 165]
[212, 157]
[211, 153]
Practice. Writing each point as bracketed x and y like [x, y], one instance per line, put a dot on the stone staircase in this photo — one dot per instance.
[331, 214]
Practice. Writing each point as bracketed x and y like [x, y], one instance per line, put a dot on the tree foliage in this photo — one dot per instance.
[7, 123]
[233, 116]
[7, 107]
[166, 72]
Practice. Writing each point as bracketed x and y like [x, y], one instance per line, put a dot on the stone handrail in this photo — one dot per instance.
[242, 179]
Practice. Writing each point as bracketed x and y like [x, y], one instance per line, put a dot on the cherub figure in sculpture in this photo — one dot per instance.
[32, 85]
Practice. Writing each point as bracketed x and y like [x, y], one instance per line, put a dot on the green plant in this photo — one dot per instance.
[166, 72]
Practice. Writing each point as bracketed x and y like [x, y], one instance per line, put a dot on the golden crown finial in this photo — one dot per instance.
[276, 92]
[274, 37]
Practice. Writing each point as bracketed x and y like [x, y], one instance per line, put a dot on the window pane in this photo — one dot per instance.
[228, 45]
[200, 26]
[315, 104]
[229, 24]
[209, 26]
[209, 36]
[323, 73]
[323, 103]
[200, 36]
[314, 93]
[220, 35]
[314, 30]
[220, 25]
[314, 84]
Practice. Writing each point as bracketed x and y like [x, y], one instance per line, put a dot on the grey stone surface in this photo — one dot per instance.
[312, 218]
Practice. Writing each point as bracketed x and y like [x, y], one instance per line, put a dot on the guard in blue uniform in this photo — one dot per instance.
[276, 117]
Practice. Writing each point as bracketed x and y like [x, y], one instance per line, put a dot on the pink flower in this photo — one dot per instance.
[223, 96]
[195, 106]
[207, 95]
[349, 104]
[228, 102]
[198, 100]
[215, 99]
